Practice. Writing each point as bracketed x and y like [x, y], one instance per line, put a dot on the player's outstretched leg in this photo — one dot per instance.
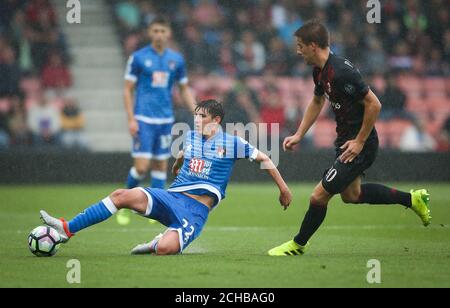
[420, 201]
[135, 176]
[417, 200]
[60, 225]
[133, 199]
[163, 244]
[147, 248]
[313, 219]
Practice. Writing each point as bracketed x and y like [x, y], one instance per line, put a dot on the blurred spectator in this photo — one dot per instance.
[56, 75]
[39, 10]
[435, 66]
[20, 134]
[393, 35]
[401, 59]
[148, 13]
[242, 104]
[5, 111]
[251, 56]
[128, 15]
[375, 62]
[206, 13]
[279, 57]
[72, 124]
[7, 10]
[286, 31]
[227, 55]
[44, 123]
[198, 56]
[42, 31]
[272, 110]
[9, 72]
[393, 101]
[20, 32]
[413, 18]
[444, 137]
[446, 44]
[416, 139]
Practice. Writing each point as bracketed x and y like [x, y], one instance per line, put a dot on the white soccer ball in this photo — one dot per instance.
[44, 241]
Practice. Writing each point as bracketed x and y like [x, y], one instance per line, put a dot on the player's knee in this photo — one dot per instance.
[142, 166]
[350, 198]
[142, 169]
[167, 248]
[119, 198]
[318, 198]
[159, 165]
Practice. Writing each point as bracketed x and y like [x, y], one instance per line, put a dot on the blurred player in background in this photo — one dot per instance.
[150, 75]
[203, 170]
[356, 109]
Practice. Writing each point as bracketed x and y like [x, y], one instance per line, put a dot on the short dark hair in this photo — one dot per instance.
[313, 31]
[212, 107]
[159, 20]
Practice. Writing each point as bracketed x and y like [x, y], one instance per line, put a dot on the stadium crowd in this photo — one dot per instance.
[35, 76]
[243, 53]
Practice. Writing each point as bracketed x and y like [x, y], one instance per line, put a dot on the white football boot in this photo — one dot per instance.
[147, 248]
[60, 225]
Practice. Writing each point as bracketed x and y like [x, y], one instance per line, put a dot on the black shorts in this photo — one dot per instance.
[337, 178]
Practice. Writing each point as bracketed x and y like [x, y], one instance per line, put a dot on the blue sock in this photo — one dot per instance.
[134, 178]
[158, 179]
[92, 215]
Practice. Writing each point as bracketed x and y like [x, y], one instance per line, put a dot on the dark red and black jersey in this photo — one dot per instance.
[341, 82]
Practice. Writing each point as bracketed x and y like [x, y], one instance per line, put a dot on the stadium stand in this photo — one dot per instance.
[225, 43]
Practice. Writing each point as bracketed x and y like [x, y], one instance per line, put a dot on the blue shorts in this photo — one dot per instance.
[152, 141]
[178, 212]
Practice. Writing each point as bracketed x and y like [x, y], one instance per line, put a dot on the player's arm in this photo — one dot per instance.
[178, 163]
[372, 108]
[129, 106]
[187, 97]
[285, 193]
[312, 112]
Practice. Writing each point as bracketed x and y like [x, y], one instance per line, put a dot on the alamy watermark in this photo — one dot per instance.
[74, 274]
[73, 15]
[374, 14]
[374, 274]
[264, 137]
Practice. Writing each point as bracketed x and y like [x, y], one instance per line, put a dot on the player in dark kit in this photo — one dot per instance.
[356, 109]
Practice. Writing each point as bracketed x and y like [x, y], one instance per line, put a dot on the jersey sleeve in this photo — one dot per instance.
[244, 150]
[181, 74]
[319, 90]
[353, 85]
[132, 70]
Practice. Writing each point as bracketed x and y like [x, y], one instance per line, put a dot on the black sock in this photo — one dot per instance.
[312, 221]
[379, 194]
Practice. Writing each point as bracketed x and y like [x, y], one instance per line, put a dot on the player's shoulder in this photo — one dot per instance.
[343, 65]
[237, 139]
[142, 52]
[176, 55]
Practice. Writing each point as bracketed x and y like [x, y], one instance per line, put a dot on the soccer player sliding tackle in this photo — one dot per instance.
[356, 109]
[203, 170]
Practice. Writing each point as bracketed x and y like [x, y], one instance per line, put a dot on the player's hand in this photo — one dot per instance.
[352, 149]
[133, 127]
[290, 142]
[285, 198]
[175, 169]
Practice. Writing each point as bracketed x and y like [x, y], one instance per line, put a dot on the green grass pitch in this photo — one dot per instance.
[231, 252]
